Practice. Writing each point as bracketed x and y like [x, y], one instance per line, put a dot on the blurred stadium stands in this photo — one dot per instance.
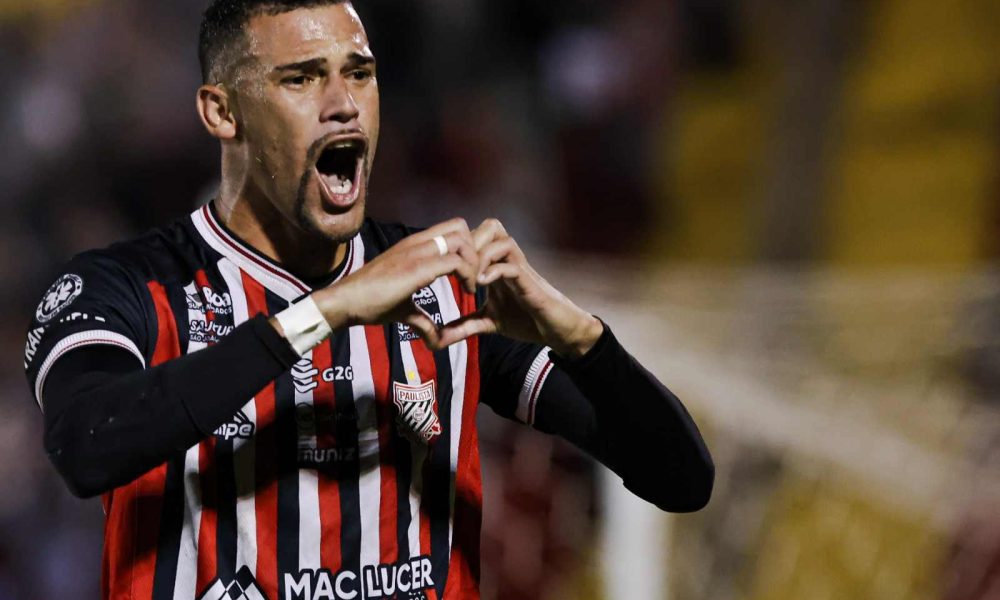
[789, 210]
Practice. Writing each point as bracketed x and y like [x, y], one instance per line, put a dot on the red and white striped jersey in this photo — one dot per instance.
[355, 475]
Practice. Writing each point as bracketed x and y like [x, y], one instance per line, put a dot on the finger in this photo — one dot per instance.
[452, 243]
[488, 231]
[503, 250]
[429, 269]
[455, 242]
[506, 271]
[426, 260]
[470, 258]
[465, 327]
[420, 322]
[453, 226]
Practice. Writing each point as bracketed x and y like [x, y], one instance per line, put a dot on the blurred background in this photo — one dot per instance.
[788, 209]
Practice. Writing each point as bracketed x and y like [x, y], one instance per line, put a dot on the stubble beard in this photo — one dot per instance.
[308, 224]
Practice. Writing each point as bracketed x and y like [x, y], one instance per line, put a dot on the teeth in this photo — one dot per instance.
[344, 144]
[340, 186]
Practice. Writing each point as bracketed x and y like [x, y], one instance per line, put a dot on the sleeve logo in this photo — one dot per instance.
[31, 346]
[63, 292]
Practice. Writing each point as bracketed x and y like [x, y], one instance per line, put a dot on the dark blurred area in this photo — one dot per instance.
[706, 133]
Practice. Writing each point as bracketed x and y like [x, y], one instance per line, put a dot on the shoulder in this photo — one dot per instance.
[160, 254]
[117, 277]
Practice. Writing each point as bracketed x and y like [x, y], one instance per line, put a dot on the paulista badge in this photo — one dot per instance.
[416, 414]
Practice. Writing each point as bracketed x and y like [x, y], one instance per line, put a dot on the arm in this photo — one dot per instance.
[108, 419]
[596, 395]
[608, 405]
[647, 436]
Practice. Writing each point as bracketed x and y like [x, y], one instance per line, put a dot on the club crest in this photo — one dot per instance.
[416, 415]
[63, 292]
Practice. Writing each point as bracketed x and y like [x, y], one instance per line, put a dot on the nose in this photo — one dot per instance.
[338, 102]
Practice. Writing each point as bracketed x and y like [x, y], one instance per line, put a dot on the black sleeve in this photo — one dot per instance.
[108, 421]
[607, 404]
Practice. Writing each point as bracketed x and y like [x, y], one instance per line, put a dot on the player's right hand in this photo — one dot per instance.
[381, 291]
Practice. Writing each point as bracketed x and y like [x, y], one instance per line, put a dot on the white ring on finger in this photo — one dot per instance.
[442, 244]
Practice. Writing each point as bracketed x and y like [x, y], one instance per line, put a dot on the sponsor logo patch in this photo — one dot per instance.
[220, 304]
[416, 414]
[403, 580]
[208, 332]
[205, 306]
[316, 453]
[424, 297]
[242, 587]
[239, 427]
[304, 376]
[426, 301]
[61, 294]
[405, 333]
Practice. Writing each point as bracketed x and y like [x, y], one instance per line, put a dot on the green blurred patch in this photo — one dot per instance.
[824, 542]
[14, 10]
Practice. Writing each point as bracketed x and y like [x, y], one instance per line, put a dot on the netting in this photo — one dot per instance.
[854, 419]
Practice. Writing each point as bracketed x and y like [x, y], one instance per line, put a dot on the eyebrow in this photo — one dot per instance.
[305, 65]
[357, 59]
[353, 59]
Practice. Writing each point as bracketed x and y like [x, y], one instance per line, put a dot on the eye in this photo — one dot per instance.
[360, 74]
[297, 81]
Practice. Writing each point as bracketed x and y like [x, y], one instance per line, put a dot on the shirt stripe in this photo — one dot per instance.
[463, 569]
[417, 453]
[451, 310]
[265, 471]
[346, 422]
[168, 347]
[304, 381]
[388, 499]
[213, 293]
[370, 478]
[244, 449]
[286, 455]
[326, 440]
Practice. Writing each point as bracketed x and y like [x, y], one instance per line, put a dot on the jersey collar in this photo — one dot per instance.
[269, 273]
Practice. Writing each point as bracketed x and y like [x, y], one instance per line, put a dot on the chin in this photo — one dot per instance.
[332, 214]
[337, 227]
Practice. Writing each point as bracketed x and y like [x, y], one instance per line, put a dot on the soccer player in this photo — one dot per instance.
[276, 396]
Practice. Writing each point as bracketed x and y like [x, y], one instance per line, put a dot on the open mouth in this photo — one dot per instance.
[339, 168]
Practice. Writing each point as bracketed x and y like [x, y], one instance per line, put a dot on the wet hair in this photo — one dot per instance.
[223, 28]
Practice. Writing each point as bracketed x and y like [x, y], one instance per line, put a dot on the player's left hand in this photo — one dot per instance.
[520, 303]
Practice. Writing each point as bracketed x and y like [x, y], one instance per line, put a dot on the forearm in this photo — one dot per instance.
[631, 422]
[107, 421]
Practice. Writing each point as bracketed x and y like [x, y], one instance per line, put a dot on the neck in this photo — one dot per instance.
[253, 218]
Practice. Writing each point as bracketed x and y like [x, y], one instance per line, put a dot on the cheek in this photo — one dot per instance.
[273, 122]
[372, 121]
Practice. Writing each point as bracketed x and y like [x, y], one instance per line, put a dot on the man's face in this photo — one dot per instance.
[308, 113]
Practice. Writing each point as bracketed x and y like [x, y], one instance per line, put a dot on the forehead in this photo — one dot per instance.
[305, 33]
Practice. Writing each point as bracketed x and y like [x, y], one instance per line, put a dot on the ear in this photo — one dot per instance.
[216, 113]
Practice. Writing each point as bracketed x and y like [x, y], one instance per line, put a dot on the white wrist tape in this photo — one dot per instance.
[304, 325]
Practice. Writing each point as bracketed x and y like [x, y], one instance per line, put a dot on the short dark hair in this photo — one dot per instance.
[222, 28]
